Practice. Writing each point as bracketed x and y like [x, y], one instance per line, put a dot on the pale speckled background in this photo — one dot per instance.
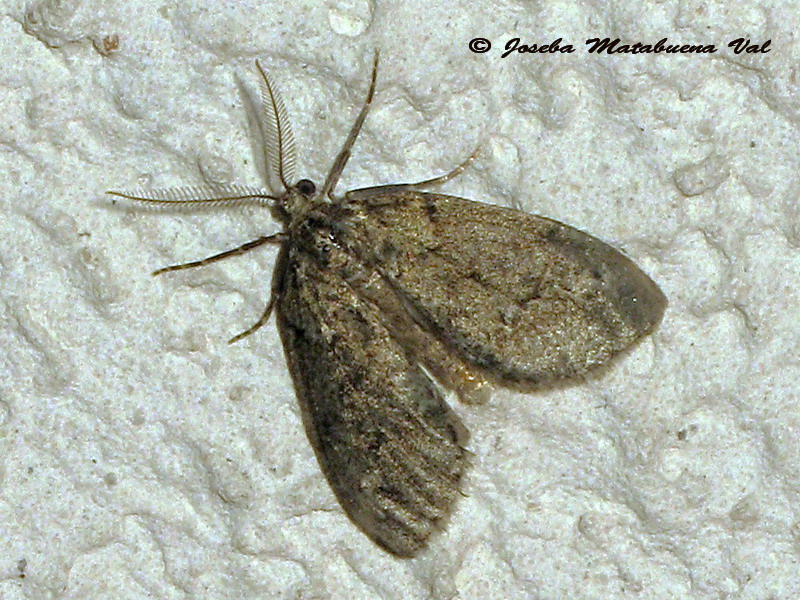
[143, 457]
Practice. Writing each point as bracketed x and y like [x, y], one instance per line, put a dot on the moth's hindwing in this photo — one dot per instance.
[524, 298]
[390, 447]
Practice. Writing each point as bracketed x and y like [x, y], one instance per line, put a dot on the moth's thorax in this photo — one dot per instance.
[321, 230]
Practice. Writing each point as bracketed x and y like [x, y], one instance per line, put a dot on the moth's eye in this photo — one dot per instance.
[306, 187]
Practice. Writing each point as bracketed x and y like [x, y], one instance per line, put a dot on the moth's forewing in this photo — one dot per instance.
[387, 442]
[524, 298]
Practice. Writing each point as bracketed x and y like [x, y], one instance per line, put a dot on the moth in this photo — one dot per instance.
[388, 296]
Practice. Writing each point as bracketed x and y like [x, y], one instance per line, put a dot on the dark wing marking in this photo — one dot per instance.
[389, 445]
[525, 298]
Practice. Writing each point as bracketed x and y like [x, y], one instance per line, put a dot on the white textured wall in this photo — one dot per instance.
[143, 457]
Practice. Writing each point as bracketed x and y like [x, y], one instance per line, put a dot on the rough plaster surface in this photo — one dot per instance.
[143, 457]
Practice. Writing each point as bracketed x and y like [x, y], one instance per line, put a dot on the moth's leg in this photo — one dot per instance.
[344, 154]
[275, 238]
[443, 178]
[278, 276]
[273, 298]
[364, 193]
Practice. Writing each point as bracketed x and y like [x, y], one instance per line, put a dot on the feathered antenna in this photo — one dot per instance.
[223, 193]
[278, 136]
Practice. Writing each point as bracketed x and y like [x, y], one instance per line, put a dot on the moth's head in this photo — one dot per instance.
[295, 201]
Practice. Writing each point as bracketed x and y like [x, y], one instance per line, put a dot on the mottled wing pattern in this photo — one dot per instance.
[390, 447]
[525, 298]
